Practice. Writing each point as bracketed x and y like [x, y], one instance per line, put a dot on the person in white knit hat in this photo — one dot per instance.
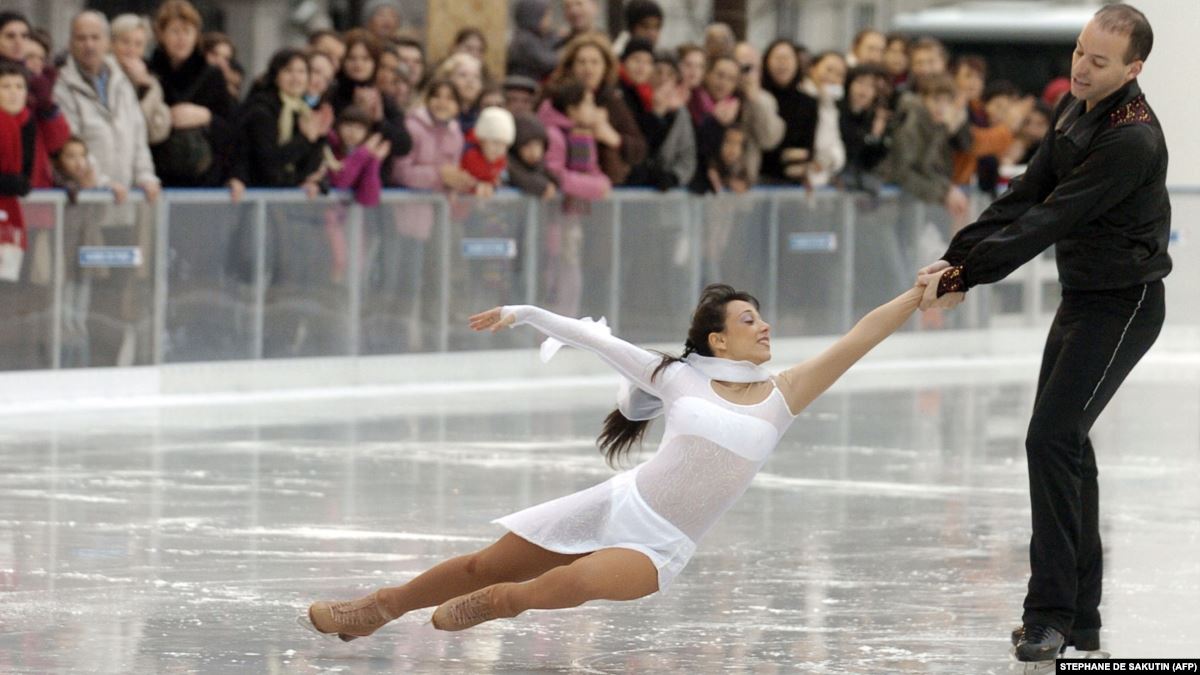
[485, 155]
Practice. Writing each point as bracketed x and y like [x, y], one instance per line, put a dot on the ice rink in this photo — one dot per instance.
[888, 534]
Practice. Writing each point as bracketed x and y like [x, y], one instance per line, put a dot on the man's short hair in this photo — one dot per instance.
[637, 11]
[936, 85]
[976, 63]
[1127, 20]
[999, 88]
[409, 41]
[923, 43]
[8, 68]
[316, 35]
[862, 35]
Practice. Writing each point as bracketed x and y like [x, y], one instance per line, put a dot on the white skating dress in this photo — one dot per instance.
[710, 451]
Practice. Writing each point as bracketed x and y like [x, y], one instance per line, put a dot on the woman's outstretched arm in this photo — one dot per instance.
[633, 362]
[803, 383]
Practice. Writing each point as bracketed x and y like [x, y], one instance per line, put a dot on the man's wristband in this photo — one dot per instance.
[951, 281]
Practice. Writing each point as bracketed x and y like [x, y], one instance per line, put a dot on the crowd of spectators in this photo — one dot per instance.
[159, 102]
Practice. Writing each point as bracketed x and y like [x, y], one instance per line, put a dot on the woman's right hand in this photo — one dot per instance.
[492, 320]
[136, 70]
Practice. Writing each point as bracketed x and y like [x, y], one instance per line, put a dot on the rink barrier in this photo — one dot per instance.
[194, 278]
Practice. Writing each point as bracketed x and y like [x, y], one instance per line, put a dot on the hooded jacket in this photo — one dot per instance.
[531, 53]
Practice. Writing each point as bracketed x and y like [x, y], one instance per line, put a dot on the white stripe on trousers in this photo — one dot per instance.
[1118, 347]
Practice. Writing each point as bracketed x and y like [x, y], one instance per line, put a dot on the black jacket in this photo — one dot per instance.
[260, 160]
[194, 81]
[1095, 189]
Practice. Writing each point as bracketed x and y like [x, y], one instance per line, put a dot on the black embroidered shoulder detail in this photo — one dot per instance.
[1134, 112]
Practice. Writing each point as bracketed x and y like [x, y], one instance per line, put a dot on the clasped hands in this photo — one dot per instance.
[928, 278]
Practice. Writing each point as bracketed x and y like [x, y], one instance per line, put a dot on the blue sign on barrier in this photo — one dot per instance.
[812, 242]
[110, 256]
[489, 249]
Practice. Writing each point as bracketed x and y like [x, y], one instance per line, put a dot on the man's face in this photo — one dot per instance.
[927, 62]
[648, 28]
[518, 100]
[748, 60]
[412, 58]
[73, 161]
[871, 48]
[13, 36]
[939, 106]
[12, 94]
[640, 67]
[89, 43]
[1098, 65]
[969, 82]
[580, 14]
[332, 47]
[384, 22]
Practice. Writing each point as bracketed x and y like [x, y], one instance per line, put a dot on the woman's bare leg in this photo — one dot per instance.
[510, 559]
[607, 574]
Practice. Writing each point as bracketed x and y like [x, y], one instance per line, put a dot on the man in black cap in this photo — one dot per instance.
[1096, 190]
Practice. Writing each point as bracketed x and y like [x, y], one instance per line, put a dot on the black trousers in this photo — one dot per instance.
[1096, 339]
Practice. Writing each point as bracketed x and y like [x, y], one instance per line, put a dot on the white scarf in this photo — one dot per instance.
[637, 404]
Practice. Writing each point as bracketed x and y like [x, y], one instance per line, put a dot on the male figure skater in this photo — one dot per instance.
[1096, 190]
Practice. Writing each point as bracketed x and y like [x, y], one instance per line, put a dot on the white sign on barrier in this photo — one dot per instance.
[110, 256]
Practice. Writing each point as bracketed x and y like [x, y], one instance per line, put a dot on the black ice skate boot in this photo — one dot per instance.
[1039, 642]
[1084, 640]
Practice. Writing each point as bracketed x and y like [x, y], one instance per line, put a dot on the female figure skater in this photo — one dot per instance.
[631, 535]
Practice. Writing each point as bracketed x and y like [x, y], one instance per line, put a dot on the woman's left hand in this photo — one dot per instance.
[492, 320]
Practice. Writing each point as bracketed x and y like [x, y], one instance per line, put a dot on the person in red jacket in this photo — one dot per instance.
[485, 156]
[24, 156]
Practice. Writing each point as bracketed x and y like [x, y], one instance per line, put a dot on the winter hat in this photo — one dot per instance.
[496, 124]
[529, 128]
[1055, 90]
[635, 45]
[522, 82]
[372, 6]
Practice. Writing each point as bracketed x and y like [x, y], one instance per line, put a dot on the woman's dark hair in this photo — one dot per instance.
[468, 33]
[621, 433]
[9, 17]
[8, 68]
[441, 83]
[768, 82]
[279, 60]
[565, 93]
[364, 37]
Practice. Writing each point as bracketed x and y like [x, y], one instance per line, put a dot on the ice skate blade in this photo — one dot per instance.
[304, 622]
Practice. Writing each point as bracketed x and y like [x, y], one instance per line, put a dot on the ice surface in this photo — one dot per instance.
[888, 534]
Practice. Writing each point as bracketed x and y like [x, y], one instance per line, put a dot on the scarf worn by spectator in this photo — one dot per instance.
[645, 92]
[12, 163]
[292, 105]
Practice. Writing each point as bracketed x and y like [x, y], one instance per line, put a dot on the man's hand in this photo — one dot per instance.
[930, 299]
[957, 203]
[120, 192]
[150, 188]
[237, 189]
[932, 268]
[491, 320]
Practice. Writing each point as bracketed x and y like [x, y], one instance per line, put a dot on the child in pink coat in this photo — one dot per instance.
[568, 114]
